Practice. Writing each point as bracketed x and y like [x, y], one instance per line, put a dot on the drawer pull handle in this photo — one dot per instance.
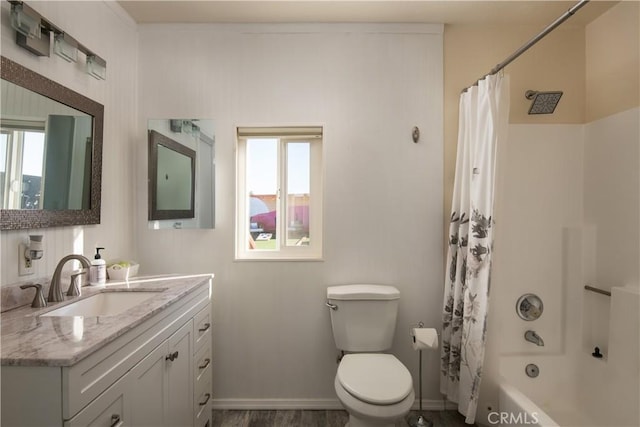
[206, 363]
[115, 421]
[172, 356]
[208, 396]
[206, 327]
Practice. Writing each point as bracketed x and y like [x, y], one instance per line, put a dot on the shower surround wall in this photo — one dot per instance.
[612, 206]
[568, 213]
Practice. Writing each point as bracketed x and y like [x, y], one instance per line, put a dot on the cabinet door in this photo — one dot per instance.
[180, 377]
[110, 409]
[162, 383]
[149, 395]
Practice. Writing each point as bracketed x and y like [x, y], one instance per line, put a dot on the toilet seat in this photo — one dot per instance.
[378, 379]
[379, 414]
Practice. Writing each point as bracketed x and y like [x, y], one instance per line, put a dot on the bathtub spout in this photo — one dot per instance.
[531, 336]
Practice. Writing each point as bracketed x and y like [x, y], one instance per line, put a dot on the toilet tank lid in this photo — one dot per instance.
[363, 292]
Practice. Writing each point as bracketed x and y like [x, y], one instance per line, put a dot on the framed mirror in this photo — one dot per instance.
[50, 152]
[181, 173]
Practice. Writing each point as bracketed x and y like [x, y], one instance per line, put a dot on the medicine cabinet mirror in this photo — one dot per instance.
[50, 152]
[181, 173]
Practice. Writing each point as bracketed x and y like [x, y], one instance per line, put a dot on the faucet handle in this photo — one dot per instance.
[38, 300]
[74, 287]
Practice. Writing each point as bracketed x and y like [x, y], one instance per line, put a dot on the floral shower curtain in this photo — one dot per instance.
[484, 111]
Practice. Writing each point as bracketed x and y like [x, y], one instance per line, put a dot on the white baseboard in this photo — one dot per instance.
[312, 404]
[276, 404]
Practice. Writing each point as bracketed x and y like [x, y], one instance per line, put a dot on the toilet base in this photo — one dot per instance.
[357, 422]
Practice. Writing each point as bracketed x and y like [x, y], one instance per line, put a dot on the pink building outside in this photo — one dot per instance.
[263, 214]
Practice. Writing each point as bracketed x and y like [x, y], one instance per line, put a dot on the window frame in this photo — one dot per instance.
[285, 135]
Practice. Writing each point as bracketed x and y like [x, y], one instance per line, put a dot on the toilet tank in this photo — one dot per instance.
[364, 317]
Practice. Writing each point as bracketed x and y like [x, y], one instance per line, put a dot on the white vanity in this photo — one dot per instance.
[147, 364]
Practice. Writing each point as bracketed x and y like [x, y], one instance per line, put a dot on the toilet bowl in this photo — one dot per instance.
[376, 389]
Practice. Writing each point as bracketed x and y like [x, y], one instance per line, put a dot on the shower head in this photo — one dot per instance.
[543, 102]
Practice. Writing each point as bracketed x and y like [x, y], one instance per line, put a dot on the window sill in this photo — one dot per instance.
[280, 259]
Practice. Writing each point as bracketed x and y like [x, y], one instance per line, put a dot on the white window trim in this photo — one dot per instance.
[311, 252]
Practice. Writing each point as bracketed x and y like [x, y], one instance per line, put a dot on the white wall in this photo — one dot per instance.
[105, 28]
[368, 85]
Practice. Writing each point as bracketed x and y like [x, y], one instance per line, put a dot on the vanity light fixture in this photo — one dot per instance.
[25, 20]
[96, 67]
[33, 32]
[30, 34]
[66, 47]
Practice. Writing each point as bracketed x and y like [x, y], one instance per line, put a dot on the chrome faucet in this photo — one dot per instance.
[531, 336]
[55, 292]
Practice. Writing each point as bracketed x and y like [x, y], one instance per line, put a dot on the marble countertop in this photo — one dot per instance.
[30, 339]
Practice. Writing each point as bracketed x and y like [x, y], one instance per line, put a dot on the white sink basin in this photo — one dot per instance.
[103, 304]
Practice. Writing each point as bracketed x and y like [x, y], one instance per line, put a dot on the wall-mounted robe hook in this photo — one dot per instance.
[415, 134]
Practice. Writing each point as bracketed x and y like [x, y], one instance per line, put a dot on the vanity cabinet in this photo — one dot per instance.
[156, 374]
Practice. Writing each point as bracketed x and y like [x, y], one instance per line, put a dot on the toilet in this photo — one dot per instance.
[374, 387]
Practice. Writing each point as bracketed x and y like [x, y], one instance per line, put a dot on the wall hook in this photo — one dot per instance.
[415, 134]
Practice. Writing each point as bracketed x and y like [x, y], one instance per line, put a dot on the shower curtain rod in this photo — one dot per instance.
[568, 14]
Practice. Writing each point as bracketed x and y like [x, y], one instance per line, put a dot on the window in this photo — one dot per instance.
[279, 199]
[22, 148]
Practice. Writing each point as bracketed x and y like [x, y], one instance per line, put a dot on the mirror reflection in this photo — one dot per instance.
[171, 178]
[45, 152]
[181, 173]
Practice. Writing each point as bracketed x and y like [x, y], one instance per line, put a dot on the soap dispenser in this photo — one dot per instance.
[98, 270]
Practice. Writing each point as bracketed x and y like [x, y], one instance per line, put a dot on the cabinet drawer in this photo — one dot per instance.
[110, 409]
[202, 404]
[202, 322]
[204, 420]
[202, 365]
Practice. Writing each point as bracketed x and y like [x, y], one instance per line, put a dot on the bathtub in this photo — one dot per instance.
[549, 400]
[574, 389]
[516, 409]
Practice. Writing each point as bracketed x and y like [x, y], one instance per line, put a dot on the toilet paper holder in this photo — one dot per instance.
[412, 327]
[420, 420]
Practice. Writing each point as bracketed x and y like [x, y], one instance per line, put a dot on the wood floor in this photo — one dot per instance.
[304, 418]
